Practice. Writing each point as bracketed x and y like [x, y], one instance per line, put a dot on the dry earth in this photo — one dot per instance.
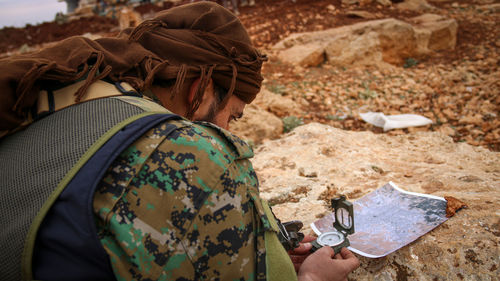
[457, 89]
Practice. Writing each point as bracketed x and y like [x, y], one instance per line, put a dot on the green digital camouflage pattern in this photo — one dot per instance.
[183, 207]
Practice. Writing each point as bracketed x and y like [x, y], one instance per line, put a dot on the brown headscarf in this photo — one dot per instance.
[197, 40]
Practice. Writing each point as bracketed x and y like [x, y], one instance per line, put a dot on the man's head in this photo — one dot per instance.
[216, 68]
[215, 106]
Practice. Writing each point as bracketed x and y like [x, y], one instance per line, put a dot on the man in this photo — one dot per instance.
[102, 183]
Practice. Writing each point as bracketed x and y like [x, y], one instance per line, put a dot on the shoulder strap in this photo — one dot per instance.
[76, 206]
[278, 263]
[32, 232]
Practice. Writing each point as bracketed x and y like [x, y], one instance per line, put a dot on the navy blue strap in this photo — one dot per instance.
[52, 103]
[122, 90]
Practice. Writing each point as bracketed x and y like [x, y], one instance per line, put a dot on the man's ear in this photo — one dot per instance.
[194, 87]
[192, 90]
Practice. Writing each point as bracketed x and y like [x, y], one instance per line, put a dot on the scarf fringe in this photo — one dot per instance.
[92, 77]
[28, 80]
[181, 77]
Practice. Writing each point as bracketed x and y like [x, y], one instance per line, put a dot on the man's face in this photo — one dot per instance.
[209, 110]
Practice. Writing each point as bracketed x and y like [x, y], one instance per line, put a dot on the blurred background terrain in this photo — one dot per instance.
[455, 84]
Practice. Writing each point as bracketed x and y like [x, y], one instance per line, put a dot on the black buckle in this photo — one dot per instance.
[289, 235]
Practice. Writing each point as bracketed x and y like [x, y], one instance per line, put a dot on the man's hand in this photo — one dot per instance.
[322, 265]
[299, 254]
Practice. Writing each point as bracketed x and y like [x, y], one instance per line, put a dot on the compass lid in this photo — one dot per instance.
[344, 215]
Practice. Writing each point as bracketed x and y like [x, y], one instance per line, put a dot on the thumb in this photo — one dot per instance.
[326, 251]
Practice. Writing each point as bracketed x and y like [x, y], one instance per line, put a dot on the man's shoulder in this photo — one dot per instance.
[240, 147]
[205, 136]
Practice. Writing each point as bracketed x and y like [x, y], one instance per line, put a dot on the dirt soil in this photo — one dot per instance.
[457, 89]
[12, 38]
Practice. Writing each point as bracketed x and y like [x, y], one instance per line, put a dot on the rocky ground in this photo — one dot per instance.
[302, 170]
[458, 155]
[457, 89]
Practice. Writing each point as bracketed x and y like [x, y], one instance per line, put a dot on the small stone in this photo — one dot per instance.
[377, 169]
[384, 2]
[449, 113]
[303, 173]
[447, 130]
[471, 119]
[453, 205]
[470, 179]
[361, 14]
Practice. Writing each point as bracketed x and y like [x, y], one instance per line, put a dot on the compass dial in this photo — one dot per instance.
[331, 239]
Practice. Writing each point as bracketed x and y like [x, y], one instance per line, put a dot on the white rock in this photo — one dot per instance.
[464, 247]
[277, 104]
[257, 125]
[312, 54]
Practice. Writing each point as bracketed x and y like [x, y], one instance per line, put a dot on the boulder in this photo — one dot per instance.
[377, 42]
[434, 33]
[316, 161]
[359, 50]
[415, 5]
[373, 42]
[277, 104]
[257, 125]
[312, 54]
[303, 38]
[489, 8]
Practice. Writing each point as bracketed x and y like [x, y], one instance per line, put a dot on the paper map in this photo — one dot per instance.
[388, 219]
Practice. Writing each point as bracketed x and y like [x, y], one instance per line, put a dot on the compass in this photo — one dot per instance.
[344, 225]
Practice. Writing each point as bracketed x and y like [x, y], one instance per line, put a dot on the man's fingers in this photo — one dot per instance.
[297, 267]
[327, 251]
[352, 263]
[303, 248]
[298, 259]
[350, 259]
[338, 257]
[346, 254]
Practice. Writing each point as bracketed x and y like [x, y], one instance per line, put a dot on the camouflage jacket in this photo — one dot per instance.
[183, 207]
